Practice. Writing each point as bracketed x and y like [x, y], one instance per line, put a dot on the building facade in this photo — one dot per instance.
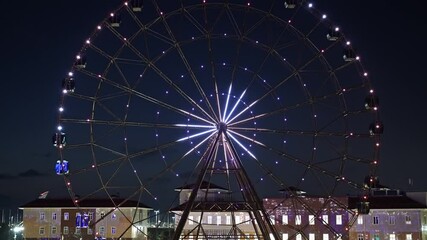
[61, 219]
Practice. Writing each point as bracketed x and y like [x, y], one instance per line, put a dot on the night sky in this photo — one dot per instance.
[40, 40]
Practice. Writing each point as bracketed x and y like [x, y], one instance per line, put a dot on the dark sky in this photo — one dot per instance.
[39, 40]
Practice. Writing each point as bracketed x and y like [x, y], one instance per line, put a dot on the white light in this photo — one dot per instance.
[371, 91]
[337, 29]
[365, 74]
[59, 127]
[78, 57]
[70, 74]
[348, 43]
[126, 3]
[61, 109]
[310, 5]
[99, 27]
[112, 14]
[324, 16]
[18, 229]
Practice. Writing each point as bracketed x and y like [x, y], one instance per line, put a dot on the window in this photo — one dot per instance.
[113, 216]
[102, 230]
[392, 236]
[42, 216]
[209, 219]
[54, 216]
[298, 220]
[271, 237]
[285, 236]
[218, 220]
[284, 219]
[273, 219]
[311, 236]
[408, 219]
[409, 236]
[66, 216]
[338, 219]
[360, 219]
[41, 230]
[325, 236]
[90, 216]
[392, 220]
[376, 236]
[102, 215]
[375, 220]
[298, 237]
[325, 219]
[113, 230]
[89, 231]
[65, 231]
[311, 219]
[238, 221]
[360, 237]
[190, 220]
[78, 230]
[53, 230]
[228, 220]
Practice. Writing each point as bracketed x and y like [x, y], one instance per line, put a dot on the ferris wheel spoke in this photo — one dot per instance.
[146, 97]
[195, 22]
[152, 65]
[187, 65]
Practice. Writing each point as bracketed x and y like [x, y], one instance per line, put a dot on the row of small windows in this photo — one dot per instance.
[285, 220]
[391, 220]
[66, 230]
[391, 236]
[67, 216]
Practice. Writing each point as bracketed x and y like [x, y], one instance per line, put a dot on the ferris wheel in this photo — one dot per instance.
[252, 97]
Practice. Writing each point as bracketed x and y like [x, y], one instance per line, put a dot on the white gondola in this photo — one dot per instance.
[58, 140]
[333, 34]
[80, 62]
[371, 102]
[114, 20]
[349, 55]
[290, 4]
[136, 5]
[376, 128]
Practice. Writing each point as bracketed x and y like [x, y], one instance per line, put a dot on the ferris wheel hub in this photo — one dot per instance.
[222, 127]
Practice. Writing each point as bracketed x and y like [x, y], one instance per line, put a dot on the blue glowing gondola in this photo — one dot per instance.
[58, 167]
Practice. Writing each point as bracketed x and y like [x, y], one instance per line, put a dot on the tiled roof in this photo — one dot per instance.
[387, 202]
[215, 207]
[63, 203]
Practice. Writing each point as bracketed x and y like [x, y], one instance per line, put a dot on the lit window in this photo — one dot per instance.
[360, 237]
[284, 219]
[54, 216]
[298, 220]
[218, 220]
[325, 219]
[376, 236]
[298, 237]
[271, 236]
[42, 216]
[375, 220]
[360, 219]
[66, 216]
[113, 216]
[392, 236]
[102, 230]
[285, 236]
[311, 236]
[339, 219]
[409, 236]
[41, 230]
[408, 219]
[238, 221]
[113, 230]
[190, 220]
[273, 219]
[325, 236]
[53, 230]
[228, 220]
[311, 219]
[65, 231]
[247, 219]
[209, 219]
[392, 220]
